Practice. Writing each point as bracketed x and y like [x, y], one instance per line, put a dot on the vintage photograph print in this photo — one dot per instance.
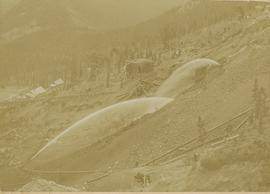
[134, 96]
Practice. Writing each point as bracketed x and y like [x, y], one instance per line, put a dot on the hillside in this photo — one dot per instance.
[31, 17]
[40, 34]
[218, 103]
[109, 13]
[146, 140]
[239, 40]
[6, 5]
[42, 15]
[31, 37]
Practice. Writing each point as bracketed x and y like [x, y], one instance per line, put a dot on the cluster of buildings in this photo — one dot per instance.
[39, 91]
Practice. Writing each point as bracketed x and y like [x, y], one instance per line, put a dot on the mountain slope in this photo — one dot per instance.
[245, 50]
[6, 5]
[241, 45]
[101, 14]
[192, 15]
[176, 124]
[42, 14]
[64, 28]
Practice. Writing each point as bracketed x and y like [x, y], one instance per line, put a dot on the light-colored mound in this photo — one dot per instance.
[41, 185]
[188, 75]
[98, 126]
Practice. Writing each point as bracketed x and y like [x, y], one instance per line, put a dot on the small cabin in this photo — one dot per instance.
[138, 67]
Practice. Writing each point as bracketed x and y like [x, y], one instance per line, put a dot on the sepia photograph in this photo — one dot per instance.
[134, 96]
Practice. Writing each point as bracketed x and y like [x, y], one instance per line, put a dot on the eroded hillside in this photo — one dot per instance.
[164, 148]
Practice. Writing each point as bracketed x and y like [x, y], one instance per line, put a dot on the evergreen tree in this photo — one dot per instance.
[260, 111]
[201, 126]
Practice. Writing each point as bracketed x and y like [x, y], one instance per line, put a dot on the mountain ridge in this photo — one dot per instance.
[101, 14]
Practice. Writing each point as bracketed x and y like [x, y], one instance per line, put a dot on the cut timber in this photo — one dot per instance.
[225, 140]
[63, 172]
[196, 139]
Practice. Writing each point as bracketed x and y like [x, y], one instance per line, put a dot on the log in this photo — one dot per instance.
[63, 172]
[99, 178]
[195, 139]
